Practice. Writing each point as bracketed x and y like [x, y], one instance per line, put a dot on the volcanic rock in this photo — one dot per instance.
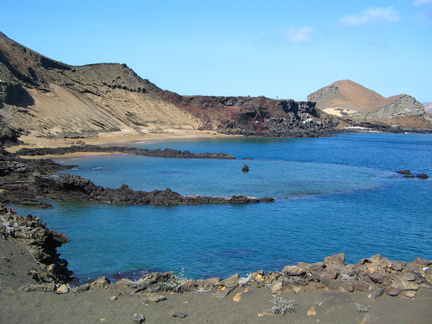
[153, 299]
[24, 180]
[41, 242]
[138, 318]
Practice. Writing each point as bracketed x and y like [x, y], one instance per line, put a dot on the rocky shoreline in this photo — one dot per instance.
[41, 243]
[376, 275]
[73, 186]
[24, 180]
[32, 275]
[369, 126]
[165, 153]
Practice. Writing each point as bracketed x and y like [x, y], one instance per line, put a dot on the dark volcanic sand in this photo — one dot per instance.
[252, 306]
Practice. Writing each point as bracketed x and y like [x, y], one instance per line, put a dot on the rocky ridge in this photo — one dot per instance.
[428, 107]
[403, 105]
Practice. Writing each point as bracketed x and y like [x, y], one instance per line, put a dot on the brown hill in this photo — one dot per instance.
[43, 97]
[346, 98]
[349, 95]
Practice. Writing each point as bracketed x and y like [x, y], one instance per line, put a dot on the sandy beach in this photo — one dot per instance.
[118, 138]
[111, 139]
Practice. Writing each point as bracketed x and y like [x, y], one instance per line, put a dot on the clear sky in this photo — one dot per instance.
[276, 48]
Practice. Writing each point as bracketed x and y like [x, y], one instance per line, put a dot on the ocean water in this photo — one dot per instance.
[334, 194]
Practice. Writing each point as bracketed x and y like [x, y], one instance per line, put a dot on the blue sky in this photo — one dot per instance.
[276, 48]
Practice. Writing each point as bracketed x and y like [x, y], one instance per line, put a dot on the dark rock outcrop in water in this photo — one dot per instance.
[17, 178]
[165, 153]
[78, 187]
[23, 180]
[409, 174]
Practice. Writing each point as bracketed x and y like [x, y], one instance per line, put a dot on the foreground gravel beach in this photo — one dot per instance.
[33, 290]
[115, 304]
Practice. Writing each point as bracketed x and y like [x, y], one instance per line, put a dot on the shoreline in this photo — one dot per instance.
[24, 181]
[128, 139]
[112, 139]
[305, 293]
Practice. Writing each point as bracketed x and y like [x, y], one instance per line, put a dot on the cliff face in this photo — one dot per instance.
[348, 99]
[43, 97]
[255, 116]
[428, 107]
[403, 105]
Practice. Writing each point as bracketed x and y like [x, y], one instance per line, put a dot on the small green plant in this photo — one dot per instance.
[283, 306]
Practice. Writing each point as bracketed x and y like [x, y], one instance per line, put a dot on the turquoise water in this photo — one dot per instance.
[336, 194]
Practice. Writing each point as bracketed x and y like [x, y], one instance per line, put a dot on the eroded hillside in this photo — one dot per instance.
[49, 98]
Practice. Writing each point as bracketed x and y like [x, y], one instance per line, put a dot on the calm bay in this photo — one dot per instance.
[334, 194]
